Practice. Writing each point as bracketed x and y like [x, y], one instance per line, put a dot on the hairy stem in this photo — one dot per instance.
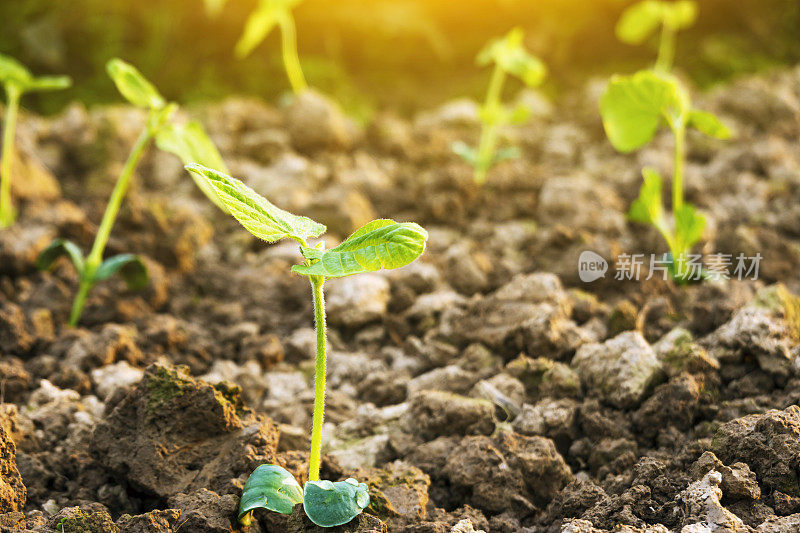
[666, 49]
[488, 141]
[319, 379]
[291, 61]
[6, 207]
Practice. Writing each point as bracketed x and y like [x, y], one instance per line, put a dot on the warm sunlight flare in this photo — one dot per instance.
[389, 266]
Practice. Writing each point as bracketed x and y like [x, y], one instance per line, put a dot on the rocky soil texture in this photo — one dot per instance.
[484, 387]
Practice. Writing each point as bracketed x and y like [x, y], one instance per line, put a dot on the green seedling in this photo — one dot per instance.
[378, 244]
[642, 20]
[17, 80]
[187, 141]
[509, 58]
[634, 108]
[267, 15]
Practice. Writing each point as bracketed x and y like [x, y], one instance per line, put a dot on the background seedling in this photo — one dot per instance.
[641, 20]
[17, 80]
[267, 15]
[633, 109]
[509, 57]
[378, 244]
[187, 141]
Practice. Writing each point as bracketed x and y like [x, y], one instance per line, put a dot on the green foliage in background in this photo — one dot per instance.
[187, 141]
[634, 108]
[17, 80]
[509, 57]
[403, 54]
[641, 20]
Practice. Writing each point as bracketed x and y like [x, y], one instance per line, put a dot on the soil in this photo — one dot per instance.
[483, 387]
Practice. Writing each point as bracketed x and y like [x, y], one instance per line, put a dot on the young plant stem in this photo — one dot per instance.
[666, 49]
[679, 256]
[319, 379]
[291, 61]
[80, 300]
[677, 176]
[95, 257]
[6, 207]
[488, 141]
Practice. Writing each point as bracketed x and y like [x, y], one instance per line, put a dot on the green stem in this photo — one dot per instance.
[677, 176]
[666, 49]
[112, 209]
[678, 256]
[80, 300]
[488, 141]
[291, 61]
[6, 207]
[319, 380]
[95, 257]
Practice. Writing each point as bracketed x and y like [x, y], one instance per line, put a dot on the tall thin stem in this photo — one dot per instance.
[677, 169]
[679, 256]
[319, 379]
[291, 61]
[95, 257]
[9, 126]
[666, 49]
[112, 209]
[488, 141]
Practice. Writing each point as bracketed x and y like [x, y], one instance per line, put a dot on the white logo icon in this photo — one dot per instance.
[591, 266]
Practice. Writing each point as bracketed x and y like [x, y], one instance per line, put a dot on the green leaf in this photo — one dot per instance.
[708, 124]
[506, 153]
[330, 504]
[519, 115]
[647, 208]
[510, 55]
[270, 487]
[634, 107]
[465, 152]
[12, 72]
[49, 83]
[133, 86]
[689, 226]
[680, 14]
[255, 212]
[191, 144]
[130, 267]
[642, 19]
[261, 21]
[639, 21]
[379, 244]
[56, 249]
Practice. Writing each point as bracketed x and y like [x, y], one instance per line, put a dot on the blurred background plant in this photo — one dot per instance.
[370, 54]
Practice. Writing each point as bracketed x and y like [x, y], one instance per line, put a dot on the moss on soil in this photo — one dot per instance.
[164, 385]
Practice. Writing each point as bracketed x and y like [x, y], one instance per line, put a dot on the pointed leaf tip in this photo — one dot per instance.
[130, 267]
[133, 86]
[58, 248]
[256, 213]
